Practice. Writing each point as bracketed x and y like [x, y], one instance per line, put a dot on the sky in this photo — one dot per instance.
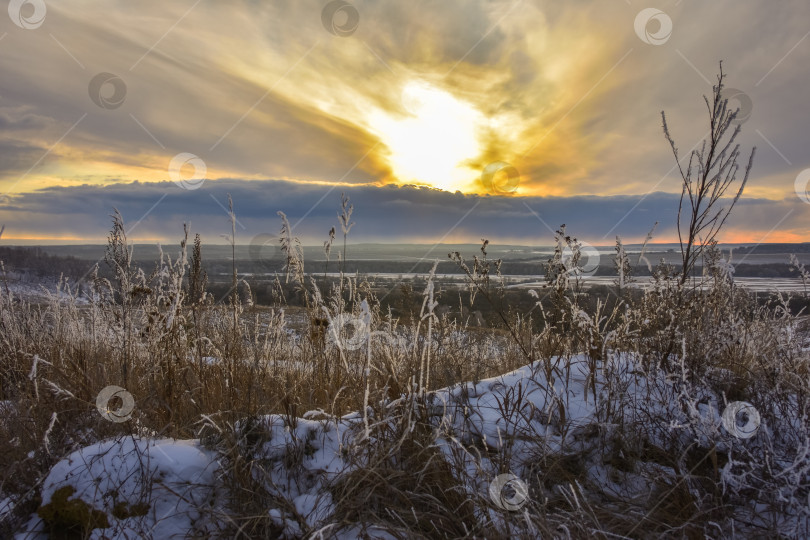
[443, 121]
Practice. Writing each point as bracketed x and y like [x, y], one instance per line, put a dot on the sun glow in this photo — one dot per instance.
[432, 144]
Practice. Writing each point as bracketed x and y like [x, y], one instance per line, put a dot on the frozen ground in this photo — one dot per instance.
[160, 488]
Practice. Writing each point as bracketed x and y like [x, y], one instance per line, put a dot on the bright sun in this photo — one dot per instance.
[432, 143]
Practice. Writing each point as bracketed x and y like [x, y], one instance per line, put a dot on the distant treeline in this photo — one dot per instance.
[404, 299]
[34, 262]
[218, 268]
[764, 249]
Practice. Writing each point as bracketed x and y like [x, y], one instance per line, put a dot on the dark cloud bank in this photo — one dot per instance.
[382, 214]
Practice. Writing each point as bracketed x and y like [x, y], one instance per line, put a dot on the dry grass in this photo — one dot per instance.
[203, 370]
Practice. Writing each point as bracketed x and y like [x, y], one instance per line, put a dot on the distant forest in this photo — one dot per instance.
[34, 263]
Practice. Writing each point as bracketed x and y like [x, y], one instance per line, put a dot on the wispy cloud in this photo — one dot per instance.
[565, 92]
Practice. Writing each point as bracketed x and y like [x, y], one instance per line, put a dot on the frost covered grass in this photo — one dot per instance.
[610, 416]
[145, 409]
[196, 370]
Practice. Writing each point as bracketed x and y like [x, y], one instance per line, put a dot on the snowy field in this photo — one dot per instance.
[136, 486]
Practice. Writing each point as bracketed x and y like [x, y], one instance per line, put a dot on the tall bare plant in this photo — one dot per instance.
[118, 256]
[707, 177]
[327, 250]
[197, 283]
[346, 224]
[234, 275]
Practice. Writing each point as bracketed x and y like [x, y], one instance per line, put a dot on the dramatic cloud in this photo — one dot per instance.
[157, 211]
[106, 93]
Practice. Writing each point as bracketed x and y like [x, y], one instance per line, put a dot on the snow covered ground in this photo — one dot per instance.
[135, 487]
[170, 488]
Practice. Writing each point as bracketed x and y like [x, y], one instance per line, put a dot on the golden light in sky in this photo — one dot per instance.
[434, 143]
[430, 94]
